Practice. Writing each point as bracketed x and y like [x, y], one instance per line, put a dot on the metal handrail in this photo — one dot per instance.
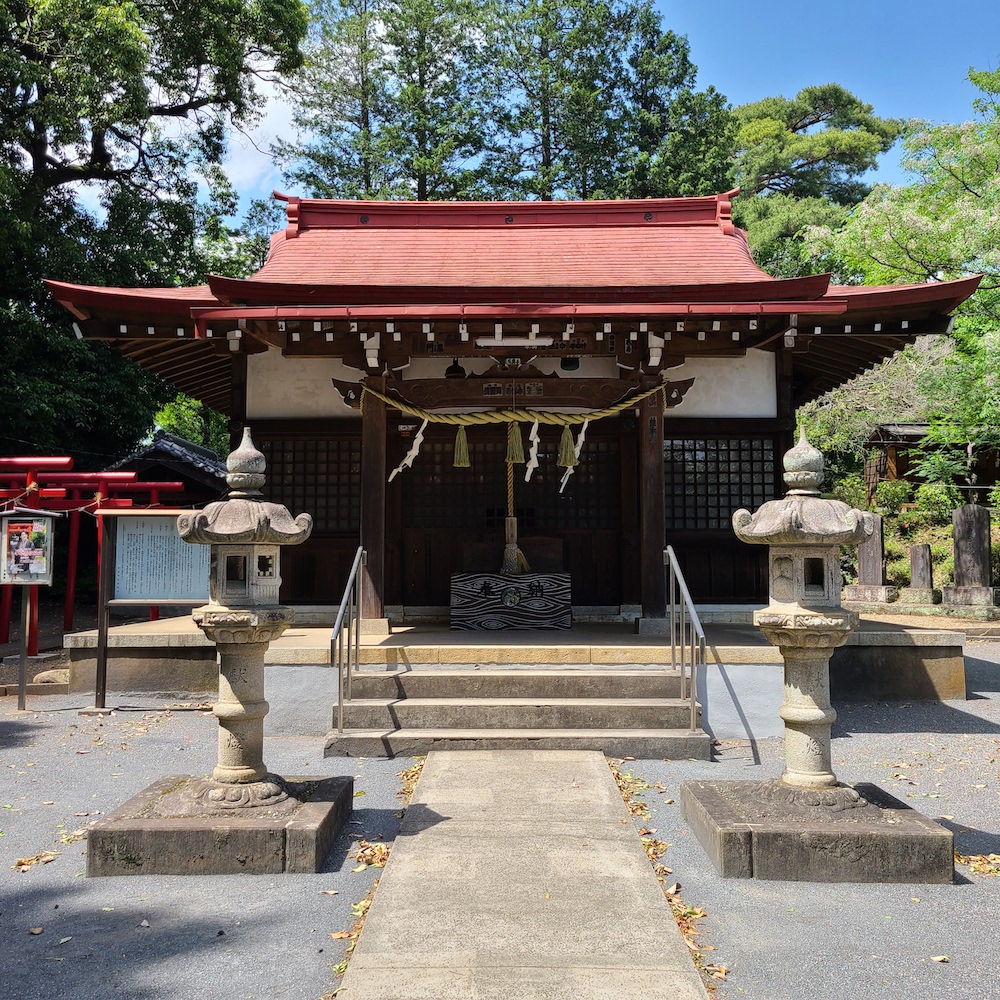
[687, 637]
[350, 609]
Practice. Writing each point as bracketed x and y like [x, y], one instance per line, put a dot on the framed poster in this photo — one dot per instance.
[27, 548]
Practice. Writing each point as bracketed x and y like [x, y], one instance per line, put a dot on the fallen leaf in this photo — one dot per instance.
[65, 939]
[145, 923]
[360, 868]
[646, 831]
[940, 958]
[51, 803]
[36, 930]
[673, 890]
[41, 858]
[375, 855]
[359, 793]
[330, 892]
[340, 935]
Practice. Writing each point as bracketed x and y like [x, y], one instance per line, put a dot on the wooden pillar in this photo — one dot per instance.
[373, 473]
[237, 398]
[652, 512]
[786, 407]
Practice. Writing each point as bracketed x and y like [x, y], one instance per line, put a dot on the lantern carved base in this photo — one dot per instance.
[770, 830]
[176, 827]
[206, 797]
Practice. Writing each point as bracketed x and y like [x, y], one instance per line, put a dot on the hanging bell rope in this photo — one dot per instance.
[514, 561]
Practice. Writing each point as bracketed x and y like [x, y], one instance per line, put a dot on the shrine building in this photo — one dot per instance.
[640, 334]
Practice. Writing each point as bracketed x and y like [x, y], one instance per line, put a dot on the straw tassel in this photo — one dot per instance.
[567, 450]
[515, 446]
[461, 459]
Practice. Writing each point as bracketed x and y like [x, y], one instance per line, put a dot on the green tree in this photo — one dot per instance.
[194, 421]
[561, 67]
[126, 99]
[394, 101]
[944, 224]
[88, 87]
[677, 142]
[800, 163]
[342, 105]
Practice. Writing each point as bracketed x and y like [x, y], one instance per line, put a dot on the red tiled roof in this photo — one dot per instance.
[625, 244]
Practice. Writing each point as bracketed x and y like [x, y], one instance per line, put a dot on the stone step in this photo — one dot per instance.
[678, 744]
[528, 683]
[517, 713]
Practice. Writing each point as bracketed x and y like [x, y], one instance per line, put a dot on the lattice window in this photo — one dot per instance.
[319, 476]
[707, 479]
[435, 495]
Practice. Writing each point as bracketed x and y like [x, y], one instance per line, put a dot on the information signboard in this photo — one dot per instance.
[153, 563]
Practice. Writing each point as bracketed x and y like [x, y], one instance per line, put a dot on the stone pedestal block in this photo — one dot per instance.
[972, 596]
[766, 830]
[865, 593]
[919, 595]
[136, 840]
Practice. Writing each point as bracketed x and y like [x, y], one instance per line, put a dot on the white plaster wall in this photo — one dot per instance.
[280, 387]
[728, 387]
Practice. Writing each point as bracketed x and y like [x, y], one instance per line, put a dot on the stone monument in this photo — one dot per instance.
[241, 817]
[807, 825]
[921, 589]
[973, 573]
[871, 587]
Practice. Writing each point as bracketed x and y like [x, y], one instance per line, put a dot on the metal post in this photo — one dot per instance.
[22, 672]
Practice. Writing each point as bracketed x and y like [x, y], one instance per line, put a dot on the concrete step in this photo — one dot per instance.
[516, 684]
[639, 743]
[517, 713]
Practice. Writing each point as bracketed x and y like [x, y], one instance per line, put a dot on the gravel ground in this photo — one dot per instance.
[269, 937]
[236, 936]
[795, 940]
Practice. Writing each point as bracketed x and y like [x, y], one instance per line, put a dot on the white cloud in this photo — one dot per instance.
[249, 163]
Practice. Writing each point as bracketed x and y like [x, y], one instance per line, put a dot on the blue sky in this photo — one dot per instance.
[908, 59]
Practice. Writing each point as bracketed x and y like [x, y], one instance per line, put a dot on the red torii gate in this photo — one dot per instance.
[29, 480]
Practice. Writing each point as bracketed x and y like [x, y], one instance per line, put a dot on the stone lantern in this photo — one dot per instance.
[241, 818]
[804, 618]
[242, 617]
[806, 825]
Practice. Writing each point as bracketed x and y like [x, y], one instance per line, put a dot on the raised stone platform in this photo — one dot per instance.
[133, 840]
[765, 830]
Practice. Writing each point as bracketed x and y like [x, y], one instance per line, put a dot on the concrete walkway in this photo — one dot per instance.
[518, 873]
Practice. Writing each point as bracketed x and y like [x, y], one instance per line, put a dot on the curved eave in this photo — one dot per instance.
[250, 291]
[98, 301]
[940, 296]
[877, 322]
